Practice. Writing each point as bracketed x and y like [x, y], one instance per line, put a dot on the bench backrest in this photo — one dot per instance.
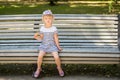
[86, 39]
[83, 31]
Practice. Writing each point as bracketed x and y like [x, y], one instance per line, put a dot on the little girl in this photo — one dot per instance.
[50, 43]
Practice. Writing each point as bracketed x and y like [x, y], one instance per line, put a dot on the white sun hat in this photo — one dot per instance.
[47, 12]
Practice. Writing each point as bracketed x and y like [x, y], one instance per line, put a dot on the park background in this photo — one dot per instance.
[60, 6]
[105, 7]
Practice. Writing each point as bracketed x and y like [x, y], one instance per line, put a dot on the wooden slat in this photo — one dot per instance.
[86, 17]
[61, 41]
[62, 15]
[114, 49]
[17, 22]
[62, 22]
[92, 28]
[74, 50]
[65, 62]
[64, 37]
[57, 25]
[63, 34]
[64, 47]
[58, 16]
[87, 21]
[34, 41]
[89, 46]
[66, 22]
[68, 18]
[73, 30]
[82, 54]
[29, 44]
[62, 58]
[87, 30]
[87, 34]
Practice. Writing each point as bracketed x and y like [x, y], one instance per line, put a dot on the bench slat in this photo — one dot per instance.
[63, 34]
[82, 54]
[78, 60]
[51, 58]
[77, 41]
[57, 25]
[36, 44]
[64, 62]
[67, 50]
[62, 15]
[59, 16]
[31, 29]
[68, 21]
[64, 47]
[66, 37]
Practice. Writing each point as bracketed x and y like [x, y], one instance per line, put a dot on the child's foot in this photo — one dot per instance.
[36, 74]
[61, 72]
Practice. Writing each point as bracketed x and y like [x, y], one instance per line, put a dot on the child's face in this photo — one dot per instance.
[48, 19]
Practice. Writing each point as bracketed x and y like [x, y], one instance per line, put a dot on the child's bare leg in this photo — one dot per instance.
[40, 59]
[39, 63]
[57, 59]
[58, 63]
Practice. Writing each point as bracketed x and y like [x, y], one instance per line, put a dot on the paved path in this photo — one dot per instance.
[75, 77]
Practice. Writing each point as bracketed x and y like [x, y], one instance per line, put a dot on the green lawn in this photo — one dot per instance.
[70, 69]
[58, 9]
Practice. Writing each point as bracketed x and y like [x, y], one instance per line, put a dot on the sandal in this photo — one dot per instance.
[61, 73]
[36, 74]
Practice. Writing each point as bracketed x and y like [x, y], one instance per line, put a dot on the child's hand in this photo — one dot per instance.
[60, 49]
[36, 34]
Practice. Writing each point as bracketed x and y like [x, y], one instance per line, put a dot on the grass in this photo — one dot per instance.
[70, 69]
[58, 9]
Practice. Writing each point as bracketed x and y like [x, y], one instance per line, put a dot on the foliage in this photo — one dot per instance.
[76, 8]
[58, 9]
[110, 6]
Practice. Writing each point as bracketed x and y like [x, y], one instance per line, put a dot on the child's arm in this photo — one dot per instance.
[38, 36]
[57, 41]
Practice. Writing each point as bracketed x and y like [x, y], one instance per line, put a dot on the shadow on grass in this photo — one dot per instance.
[58, 9]
[70, 69]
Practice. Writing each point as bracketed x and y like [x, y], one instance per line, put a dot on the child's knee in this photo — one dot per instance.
[56, 57]
[41, 53]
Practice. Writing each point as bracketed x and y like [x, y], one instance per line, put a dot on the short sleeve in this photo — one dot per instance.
[55, 30]
[41, 30]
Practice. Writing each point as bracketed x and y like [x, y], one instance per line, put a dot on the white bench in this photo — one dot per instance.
[85, 39]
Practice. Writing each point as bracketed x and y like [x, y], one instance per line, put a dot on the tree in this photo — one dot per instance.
[116, 1]
[52, 2]
[111, 5]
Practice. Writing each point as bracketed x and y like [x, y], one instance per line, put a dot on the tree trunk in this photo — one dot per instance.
[52, 3]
